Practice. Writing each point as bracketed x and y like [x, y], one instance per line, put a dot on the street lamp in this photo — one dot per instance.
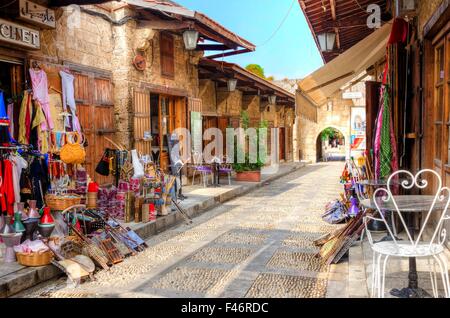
[326, 41]
[190, 38]
[272, 99]
[231, 84]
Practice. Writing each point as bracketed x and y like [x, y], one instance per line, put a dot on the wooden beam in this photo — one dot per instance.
[163, 24]
[225, 54]
[212, 47]
[338, 38]
[333, 9]
[212, 36]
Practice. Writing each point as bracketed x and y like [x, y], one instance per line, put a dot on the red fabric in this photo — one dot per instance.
[399, 33]
[8, 186]
[2, 194]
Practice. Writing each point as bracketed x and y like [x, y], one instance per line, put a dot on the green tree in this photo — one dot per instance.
[328, 133]
[256, 69]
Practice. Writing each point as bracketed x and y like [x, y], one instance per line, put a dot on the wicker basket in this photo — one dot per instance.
[60, 203]
[70, 249]
[34, 259]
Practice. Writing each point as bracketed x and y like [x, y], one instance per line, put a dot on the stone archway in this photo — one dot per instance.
[331, 145]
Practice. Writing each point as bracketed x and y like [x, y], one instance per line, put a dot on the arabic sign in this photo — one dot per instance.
[36, 14]
[352, 95]
[17, 34]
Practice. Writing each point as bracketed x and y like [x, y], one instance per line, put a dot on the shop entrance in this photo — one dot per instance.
[330, 145]
[11, 87]
[282, 143]
[156, 116]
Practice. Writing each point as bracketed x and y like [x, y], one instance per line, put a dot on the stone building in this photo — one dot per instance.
[135, 80]
[222, 106]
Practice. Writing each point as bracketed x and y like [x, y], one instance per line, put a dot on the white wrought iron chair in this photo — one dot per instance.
[419, 247]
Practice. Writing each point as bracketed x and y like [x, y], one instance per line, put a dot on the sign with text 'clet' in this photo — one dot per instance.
[20, 35]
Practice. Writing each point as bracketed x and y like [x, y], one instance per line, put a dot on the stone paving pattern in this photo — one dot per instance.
[258, 245]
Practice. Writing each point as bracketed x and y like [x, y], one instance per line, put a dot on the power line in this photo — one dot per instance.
[279, 26]
[7, 5]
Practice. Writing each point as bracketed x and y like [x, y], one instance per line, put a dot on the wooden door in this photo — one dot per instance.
[209, 122]
[281, 143]
[441, 123]
[95, 107]
[142, 121]
[222, 124]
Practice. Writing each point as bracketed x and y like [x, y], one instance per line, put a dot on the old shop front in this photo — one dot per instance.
[227, 90]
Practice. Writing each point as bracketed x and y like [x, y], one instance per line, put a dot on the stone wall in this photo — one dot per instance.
[79, 38]
[309, 131]
[207, 92]
[251, 104]
[229, 103]
[426, 10]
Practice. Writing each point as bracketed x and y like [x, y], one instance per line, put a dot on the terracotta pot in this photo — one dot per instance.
[249, 176]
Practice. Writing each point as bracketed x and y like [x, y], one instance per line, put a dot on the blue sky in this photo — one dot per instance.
[292, 53]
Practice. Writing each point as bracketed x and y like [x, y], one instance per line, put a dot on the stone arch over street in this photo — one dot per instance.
[332, 147]
[337, 117]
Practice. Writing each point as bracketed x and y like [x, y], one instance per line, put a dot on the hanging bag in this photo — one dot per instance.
[73, 152]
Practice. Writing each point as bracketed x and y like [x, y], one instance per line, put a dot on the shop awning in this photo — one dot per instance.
[328, 79]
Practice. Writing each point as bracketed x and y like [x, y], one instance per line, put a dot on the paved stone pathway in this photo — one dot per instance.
[258, 245]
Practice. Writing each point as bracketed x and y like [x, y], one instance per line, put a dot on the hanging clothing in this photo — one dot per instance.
[10, 110]
[40, 94]
[3, 113]
[386, 156]
[56, 108]
[25, 119]
[68, 95]
[7, 188]
[39, 180]
[18, 165]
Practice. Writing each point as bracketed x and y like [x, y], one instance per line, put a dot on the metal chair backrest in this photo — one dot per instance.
[438, 207]
[197, 157]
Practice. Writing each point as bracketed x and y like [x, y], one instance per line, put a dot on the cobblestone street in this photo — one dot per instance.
[258, 245]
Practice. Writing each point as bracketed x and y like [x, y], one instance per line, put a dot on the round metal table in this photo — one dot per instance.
[408, 204]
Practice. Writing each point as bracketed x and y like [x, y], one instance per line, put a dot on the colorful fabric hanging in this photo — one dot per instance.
[40, 93]
[386, 156]
[3, 113]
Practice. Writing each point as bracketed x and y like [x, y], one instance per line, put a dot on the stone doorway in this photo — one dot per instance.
[330, 145]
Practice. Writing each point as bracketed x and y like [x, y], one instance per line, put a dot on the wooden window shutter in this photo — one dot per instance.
[195, 104]
[167, 55]
[142, 121]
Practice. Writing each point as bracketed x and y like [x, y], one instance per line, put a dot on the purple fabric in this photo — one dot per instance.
[203, 168]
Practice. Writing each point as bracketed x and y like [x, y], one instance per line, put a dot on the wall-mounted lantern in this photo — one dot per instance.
[326, 41]
[190, 38]
[272, 99]
[231, 84]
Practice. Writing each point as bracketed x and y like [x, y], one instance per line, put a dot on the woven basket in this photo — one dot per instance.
[34, 259]
[60, 203]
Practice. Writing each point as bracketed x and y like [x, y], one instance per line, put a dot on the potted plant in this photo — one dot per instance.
[249, 170]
